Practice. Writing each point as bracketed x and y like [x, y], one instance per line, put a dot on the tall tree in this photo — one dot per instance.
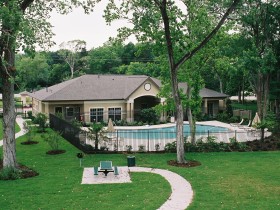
[260, 27]
[104, 59]
[70, 52]
[32, 73]
[162, 21]
[22, 24]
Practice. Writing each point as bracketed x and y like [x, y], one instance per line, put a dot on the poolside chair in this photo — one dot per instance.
[246, 127]
[237, 124]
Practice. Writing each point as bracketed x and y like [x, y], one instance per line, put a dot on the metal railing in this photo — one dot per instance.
[142, 140]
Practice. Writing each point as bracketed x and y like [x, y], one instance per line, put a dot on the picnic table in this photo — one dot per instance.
[106, 167]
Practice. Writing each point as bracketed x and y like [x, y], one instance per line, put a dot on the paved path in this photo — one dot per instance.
[20, 122]
[182, 193]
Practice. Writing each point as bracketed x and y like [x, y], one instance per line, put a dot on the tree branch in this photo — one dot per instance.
[168, 38]
[208, 37]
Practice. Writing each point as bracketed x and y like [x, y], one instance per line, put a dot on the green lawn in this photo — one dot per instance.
[223, 181]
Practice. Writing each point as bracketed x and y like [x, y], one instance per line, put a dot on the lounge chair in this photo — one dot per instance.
[237, 124]
[246, 127]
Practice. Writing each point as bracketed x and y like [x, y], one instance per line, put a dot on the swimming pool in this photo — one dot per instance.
[166, 132]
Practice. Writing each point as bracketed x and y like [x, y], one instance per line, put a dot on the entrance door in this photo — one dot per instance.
[210, 107]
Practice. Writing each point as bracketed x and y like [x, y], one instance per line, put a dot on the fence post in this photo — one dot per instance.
[208, 133]
[117, 140]
[148, 140]
[235, 136]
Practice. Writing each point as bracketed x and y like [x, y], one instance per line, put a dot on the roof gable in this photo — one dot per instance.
[92, 87]
[105, 87]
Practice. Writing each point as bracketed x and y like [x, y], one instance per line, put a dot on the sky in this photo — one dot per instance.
[77, 25]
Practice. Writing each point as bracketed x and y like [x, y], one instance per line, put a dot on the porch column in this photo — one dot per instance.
[132, 111]
[205, 111]
[46, 111]
[128, 112]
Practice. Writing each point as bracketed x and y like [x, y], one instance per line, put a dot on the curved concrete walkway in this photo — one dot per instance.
[20, 122]
[182, 193]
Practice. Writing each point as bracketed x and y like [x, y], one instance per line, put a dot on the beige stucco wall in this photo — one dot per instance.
[105, 105]
[64, 104]
[36, 106]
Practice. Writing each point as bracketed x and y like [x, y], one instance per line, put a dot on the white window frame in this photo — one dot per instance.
[114, 113]
[96, 115]
[67, 113]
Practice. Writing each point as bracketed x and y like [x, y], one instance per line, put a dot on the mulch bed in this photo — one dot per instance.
[29, 142]
[25, 172]
[271, 143]
[190, 163]
[55, 152]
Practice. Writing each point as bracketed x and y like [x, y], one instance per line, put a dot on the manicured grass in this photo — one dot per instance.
[59, 184]
[224, 181]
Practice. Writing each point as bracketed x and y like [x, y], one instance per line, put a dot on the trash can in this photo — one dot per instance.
[130, 161]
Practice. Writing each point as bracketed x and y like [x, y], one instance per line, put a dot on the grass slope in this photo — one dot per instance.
[223, 181]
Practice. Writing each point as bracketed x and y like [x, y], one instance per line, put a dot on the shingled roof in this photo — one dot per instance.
[205, 92]
[93, 87]
[104, 87]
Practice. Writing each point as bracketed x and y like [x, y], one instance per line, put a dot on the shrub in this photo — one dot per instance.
[234, 119]
[29, 115]
[77, 123]
[148, 115]
[170, 147]
[141, 148]
[211, 145]
[223, 117]
[128, 148]
[53, 139]
[157, 147]
[28, 130]
[9, 173]
[41, 120]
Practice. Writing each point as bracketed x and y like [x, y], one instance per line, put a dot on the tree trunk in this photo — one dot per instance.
[9, 115]
[192, 125]
[179, 134]
[179, 119]
[96, 142]
[262, 94]
[72, 71]
[190, 118]
[239, 94]
[243, 92]
[221, 84]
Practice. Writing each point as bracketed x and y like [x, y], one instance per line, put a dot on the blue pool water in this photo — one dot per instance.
[167, 132]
